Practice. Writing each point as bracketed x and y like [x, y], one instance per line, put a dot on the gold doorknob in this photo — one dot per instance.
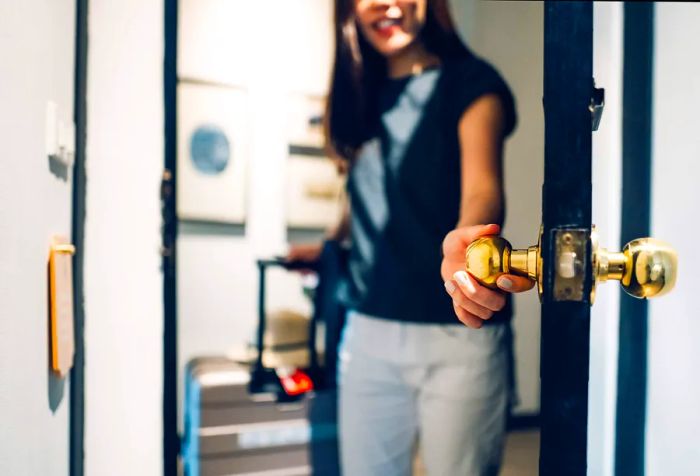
[645, 267]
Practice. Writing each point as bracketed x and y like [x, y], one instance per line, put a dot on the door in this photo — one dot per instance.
[567, 262]
[568, 283]
[572, 261]
[566, 216]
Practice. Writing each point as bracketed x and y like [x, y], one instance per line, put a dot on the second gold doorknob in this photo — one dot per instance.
[645, 267]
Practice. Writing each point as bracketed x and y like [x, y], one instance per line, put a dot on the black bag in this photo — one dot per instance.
[328, 304]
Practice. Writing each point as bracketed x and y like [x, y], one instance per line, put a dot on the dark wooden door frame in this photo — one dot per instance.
[171, 440]
[638, 77]
[76, 426]
[566, 204]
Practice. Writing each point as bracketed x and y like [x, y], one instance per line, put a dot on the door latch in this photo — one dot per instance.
[596, 106]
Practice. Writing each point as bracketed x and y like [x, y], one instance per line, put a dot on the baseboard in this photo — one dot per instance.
[523, 421]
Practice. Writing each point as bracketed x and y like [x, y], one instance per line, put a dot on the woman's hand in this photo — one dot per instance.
[474, 303]
[308, 252]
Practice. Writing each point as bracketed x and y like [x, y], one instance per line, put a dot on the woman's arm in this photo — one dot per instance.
[341, 231]
[480, 133]
[482, 201]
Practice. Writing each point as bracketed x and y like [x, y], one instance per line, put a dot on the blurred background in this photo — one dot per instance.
[92, 83]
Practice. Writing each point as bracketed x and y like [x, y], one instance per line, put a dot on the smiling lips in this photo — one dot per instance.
[386, 27]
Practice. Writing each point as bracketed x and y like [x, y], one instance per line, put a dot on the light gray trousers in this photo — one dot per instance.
[445, 385]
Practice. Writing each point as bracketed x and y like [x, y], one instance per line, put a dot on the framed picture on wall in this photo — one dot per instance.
[212, 153]
[314, 190]
[305, 122]
[314, 186]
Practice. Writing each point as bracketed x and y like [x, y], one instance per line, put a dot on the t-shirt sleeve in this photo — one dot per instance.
[475, 78]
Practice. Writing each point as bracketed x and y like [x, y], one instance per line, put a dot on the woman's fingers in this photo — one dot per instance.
[514, 284]
[459, 299]
[473, 302]
[468, 319]
[481, 295]
[458, 239]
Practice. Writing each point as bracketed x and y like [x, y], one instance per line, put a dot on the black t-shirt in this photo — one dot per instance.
[405, 189]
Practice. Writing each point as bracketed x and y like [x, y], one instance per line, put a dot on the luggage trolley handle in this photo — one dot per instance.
[260, 373]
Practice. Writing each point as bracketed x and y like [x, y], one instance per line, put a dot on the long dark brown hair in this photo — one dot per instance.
[359, 69]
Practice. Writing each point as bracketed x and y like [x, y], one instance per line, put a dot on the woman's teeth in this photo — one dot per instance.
[387, 22]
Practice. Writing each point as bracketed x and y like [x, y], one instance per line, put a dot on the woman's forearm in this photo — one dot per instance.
[481, 208]
[341, 231]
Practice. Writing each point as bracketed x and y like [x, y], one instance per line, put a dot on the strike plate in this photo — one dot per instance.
[570, 271]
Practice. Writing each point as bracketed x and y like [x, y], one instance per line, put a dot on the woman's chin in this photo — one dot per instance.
[393, 46]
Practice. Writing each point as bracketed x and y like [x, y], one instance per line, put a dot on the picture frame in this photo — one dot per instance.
[212, 153]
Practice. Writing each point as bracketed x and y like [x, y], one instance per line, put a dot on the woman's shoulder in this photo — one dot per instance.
[468, 78]
[472, 70]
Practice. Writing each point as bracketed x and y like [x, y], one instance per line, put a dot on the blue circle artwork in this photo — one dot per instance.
[209, 150]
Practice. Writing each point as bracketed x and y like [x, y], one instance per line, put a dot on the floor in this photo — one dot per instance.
[522, 453]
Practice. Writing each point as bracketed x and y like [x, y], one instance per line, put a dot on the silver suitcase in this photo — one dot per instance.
[238, 421]
[229, 431]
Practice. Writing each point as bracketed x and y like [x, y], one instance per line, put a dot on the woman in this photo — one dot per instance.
[420, 123]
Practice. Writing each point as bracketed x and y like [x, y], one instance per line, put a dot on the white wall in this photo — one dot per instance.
[222, 41]
[37, 53]
[607, 163]
[673, 417]
[123, 282]
[510, 36]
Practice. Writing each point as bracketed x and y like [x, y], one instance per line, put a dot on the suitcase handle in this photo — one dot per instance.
[283, 262]
[260, 373]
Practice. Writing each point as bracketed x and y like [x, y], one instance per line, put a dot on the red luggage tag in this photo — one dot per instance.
[294, 381]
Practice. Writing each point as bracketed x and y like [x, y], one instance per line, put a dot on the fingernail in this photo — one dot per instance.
[461, 276]
[449, 285]
[505, 283]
